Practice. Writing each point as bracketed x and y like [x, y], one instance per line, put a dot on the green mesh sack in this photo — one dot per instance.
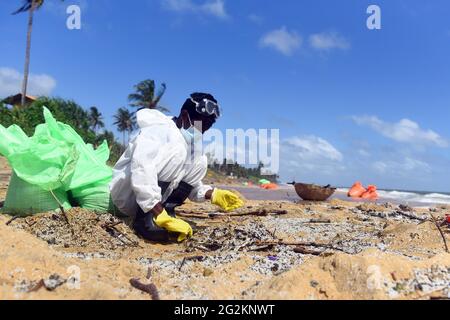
[57, 158]
[24, 198]
[94, 197]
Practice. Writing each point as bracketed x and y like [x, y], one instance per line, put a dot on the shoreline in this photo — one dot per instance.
[287, 193]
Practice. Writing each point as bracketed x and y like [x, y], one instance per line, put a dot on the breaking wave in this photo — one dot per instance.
[411, 197]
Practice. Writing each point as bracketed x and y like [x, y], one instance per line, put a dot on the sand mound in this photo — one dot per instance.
[27, 260]
[371, 275]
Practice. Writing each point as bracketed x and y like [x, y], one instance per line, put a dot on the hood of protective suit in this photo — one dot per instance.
[150, 117]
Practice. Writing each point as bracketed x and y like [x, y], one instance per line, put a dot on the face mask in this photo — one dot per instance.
[193, 138]
[188, 134]
[191, 135]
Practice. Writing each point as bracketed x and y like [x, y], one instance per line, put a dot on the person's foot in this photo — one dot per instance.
[147, 229]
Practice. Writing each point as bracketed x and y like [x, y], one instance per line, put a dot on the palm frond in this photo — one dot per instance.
[27, 6]
[144, 95]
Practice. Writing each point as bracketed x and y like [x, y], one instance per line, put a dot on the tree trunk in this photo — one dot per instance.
[28, 52]
[123, 138]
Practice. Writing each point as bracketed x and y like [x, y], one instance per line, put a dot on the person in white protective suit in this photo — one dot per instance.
[161, 168]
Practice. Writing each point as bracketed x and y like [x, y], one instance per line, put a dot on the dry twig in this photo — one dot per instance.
[12, 220]
[112, 225]
[38, 286]
[303, 250]
[410, 216]
[318, 221]
[63, 212]
[440, 231]
[147, 288]
[116, 233]
[298, 244]
[194, 258]
[259, 213]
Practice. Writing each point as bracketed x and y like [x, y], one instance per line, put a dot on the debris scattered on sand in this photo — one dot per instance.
[87, 230]
[426, 281]
[229, 238]
[234, 256]
[281, 260]
[51, 283]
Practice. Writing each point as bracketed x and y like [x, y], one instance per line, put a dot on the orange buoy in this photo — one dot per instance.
[269, 186]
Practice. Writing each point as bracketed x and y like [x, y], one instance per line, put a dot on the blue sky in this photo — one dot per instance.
[351, 103]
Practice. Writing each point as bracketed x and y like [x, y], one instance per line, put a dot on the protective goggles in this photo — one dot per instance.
[207, 108]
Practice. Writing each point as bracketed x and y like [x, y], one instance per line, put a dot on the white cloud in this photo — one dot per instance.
[312, 148]
[364, 153]
[406, 166]
[310, 158]
[256, 19]
[178, 5]
[11, 83]
[405, 131]
[328, 41]
[214, 8]
[282, 40]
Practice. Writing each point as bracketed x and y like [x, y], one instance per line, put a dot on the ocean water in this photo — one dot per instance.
[287, 192]
[411, 197]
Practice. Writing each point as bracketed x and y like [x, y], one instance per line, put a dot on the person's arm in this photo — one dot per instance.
[194, 177]
[157, 210]
[227, 200]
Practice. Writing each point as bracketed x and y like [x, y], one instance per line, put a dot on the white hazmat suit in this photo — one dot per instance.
[159, 153]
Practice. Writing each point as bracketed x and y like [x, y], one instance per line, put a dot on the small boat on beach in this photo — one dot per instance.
[312, 192]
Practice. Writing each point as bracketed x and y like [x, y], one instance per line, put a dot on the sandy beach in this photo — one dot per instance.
[270, 249]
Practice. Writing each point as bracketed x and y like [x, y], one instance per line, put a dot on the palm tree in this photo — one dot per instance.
[145, 97]
[107, 136]
[95, 119]
[31, 6]
[124, 122]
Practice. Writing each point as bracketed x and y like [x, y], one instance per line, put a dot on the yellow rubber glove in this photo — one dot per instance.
[174, 225]
[227, 200]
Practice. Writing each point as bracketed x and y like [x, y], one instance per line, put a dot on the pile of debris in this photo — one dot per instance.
[78, 228]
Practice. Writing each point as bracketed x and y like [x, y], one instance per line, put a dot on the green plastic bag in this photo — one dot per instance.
[95, 197]
[23, 198]
[56, 158]
[39, 160]
[90, 167]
